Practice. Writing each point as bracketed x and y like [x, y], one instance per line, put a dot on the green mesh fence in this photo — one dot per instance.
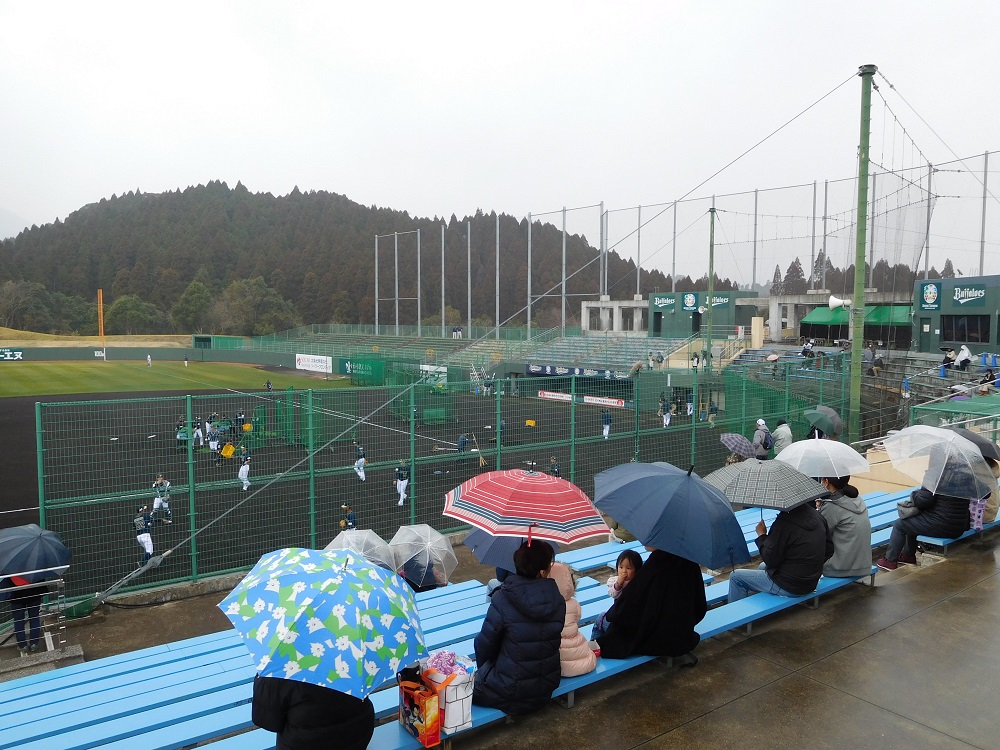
[98, 459]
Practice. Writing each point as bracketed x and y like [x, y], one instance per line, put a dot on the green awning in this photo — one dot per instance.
[983, 406]
[824, 316]
[889, 315]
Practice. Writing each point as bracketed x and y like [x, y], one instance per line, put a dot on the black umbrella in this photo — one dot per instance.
[497, 551]
[30, 547]
[987, 447]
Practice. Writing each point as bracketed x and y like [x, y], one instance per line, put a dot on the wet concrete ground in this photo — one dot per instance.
[912, 663]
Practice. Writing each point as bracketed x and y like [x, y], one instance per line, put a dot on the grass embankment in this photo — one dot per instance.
[53, 378]
[10, 337]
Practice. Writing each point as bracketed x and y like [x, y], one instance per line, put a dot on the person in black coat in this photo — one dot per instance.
[794, 551]
[656, 613]
[308, 716]
[517, 649]
[940, 515]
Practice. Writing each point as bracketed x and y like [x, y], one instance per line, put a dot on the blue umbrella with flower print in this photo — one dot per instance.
[327, 618]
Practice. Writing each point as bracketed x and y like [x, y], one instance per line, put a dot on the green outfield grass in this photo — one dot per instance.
[53, 378]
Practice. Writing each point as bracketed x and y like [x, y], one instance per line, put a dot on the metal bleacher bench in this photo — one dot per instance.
[198, 690]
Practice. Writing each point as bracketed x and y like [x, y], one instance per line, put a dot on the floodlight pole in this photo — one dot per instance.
[866, 72]
[496, 293]
[927, 236]
[395, 236]
[982, 236]
[562, 332]
[376, 285]
[673, 260]
[468, 274]
[812, 252]
[823, 249]
[707, 354]
[442, 281]
[529, 277]
[638, 251]
[419, 331]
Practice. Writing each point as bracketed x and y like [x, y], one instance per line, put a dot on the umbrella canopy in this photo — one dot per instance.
[773, 357]
[825, 419]
[506, 503]
[737, 444]
[366, 543]
[423, 555]
[823, 458]
[327, 618]
[673, 510]
[942, 461]
[987, 447]
[497, 551]
[30, 547]
[766, 484]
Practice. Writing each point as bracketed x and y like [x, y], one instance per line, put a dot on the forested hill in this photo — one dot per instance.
[197, 259]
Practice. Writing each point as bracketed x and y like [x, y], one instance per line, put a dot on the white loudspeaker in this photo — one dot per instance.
[702, 309]
[836, 302]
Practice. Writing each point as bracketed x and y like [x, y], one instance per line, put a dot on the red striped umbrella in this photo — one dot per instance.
[507, 503]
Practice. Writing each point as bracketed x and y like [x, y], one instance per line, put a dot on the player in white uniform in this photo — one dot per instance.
[402, 481]
[162, 498]
[244, 472]
[359, 463]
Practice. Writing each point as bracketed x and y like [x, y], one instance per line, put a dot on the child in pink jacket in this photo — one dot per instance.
[575, 655]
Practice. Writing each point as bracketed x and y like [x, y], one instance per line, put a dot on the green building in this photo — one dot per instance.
[952, 312]
[677, 315]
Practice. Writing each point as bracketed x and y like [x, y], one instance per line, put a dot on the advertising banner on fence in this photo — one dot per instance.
[602, 401]
[9, 355]
[314, 363]
[555, 396]
[583, 372]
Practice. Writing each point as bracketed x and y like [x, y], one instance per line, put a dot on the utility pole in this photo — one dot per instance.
[707, 354]
[927, 236]
[529, 277]
[442, 281]
[982, 236]
[866, 72]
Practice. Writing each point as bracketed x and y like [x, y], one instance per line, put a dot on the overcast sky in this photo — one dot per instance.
[440, 108]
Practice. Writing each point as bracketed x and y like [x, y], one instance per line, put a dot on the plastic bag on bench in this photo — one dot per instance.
[453, 677]
[418, 707]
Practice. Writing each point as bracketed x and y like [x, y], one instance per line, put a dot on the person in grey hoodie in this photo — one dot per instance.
[761, 437]
[847, 516]
[782, 436]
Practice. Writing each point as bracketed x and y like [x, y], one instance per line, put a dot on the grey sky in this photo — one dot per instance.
[442, 108]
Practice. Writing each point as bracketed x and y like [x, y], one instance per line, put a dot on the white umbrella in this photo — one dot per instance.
[942, 461]
[423, 555]
[823, 458]
[366, 543]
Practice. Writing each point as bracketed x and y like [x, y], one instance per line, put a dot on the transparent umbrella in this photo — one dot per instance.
[423, 555]
[823, 458]
[367, 544]
[941, 460]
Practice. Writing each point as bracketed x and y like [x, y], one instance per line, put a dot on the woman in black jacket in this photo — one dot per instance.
[517, 650]
[940, 515]
[308, 716]
[656, 613]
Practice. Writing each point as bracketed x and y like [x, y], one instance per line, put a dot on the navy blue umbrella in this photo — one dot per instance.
[30, 547]
[498, 551]
[673, 510]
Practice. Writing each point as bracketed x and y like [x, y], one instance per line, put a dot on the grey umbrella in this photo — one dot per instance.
[987, 447]
[737, 444]
[766, 484]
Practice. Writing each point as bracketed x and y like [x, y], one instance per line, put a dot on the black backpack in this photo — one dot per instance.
[768, 441]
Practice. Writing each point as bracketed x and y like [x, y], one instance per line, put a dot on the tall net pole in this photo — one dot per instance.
[867, 72]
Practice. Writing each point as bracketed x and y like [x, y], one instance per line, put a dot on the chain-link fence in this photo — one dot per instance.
[98, 460]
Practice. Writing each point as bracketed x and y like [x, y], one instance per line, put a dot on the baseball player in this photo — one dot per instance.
[143, 524]
[402, 480]
[606, 423]
[213, 441]
[244, 472]
[554, 468]
[360, 461]
[351, 521]
[161, 498]
[199, 436]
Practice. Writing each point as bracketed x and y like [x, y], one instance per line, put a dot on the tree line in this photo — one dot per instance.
[216, 259]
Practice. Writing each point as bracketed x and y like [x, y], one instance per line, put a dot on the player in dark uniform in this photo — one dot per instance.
[143, 524]
[554, 469]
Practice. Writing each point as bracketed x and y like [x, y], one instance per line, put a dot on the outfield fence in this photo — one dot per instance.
[97, 460]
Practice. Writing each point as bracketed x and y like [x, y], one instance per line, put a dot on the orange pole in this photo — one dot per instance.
[100, 321]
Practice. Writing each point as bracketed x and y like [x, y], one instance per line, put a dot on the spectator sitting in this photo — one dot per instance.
[847, 516]
[420, 576]
[308, 716]
[629, 561]
[517, 649]
[794, 552]
[949, 358]
[940, 515]
[657, 612]
[618, 533]
[987, 382]
[575, 655]
[964, 358]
